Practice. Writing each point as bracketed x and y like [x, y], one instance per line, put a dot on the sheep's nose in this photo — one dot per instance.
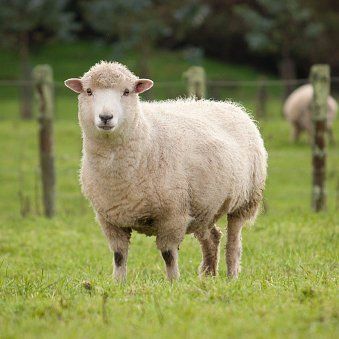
[105, 117]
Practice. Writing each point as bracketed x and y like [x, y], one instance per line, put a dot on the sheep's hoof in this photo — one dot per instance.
[120, 276]
[233, 274]
[172, 275]
[207, 271]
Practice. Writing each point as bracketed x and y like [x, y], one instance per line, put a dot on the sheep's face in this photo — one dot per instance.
[104, 111]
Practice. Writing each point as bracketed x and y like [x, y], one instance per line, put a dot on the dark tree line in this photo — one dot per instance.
[285, 37]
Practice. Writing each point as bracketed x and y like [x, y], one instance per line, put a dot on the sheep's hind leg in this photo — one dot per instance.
[330, 136]
[296, 132]
[118, 239]
[233, 246]
[209, 240]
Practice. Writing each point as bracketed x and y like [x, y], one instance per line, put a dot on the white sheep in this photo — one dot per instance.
[297, 111]
[166, 168]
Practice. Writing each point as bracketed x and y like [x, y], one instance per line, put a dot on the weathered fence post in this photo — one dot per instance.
[43, 84]
[261, 99]
[320, 79]
[196, 82]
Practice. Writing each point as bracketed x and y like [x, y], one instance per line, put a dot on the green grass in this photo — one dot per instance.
[55, 275]
[287, 286]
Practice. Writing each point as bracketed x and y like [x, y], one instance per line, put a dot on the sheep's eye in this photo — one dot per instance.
[89, 91]
[126, 92]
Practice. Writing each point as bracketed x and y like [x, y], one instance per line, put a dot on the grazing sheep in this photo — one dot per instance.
[166, 168]
[297, 111]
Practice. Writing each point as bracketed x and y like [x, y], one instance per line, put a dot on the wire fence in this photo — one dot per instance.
[264, 97]
[250, 93]
[174, 83]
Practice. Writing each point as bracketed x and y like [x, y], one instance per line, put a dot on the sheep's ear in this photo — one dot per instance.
[74, 84]
[142, 85]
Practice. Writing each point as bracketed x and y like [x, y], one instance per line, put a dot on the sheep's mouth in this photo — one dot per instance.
[105, 127]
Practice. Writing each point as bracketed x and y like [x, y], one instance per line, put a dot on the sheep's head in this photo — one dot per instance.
[108, 96]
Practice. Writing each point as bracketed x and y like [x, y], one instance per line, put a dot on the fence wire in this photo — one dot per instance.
[224, 83]
[244, 91]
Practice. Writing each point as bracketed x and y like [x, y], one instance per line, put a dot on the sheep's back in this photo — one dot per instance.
[224, 120]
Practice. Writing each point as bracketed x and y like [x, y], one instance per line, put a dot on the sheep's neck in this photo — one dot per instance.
[122, 152]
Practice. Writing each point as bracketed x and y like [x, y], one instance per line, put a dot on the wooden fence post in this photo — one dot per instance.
[43, 84]
[320, 79]
[196, 82]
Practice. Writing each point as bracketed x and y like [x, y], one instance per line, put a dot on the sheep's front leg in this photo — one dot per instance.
[170, 256]
[118, 239]
[170, 235]
[233, 246]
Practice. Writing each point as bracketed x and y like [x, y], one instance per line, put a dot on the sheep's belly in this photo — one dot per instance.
[149, 227]
[140, 221]
[145, 225]
[147, 230]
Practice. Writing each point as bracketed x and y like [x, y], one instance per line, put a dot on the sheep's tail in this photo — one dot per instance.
[251, 208]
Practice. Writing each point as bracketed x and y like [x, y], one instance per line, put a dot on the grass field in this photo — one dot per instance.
[55, 275]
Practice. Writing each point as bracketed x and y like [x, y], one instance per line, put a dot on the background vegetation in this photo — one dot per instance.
[55, 275]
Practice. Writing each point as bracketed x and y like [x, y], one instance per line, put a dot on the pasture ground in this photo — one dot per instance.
[55, 275]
